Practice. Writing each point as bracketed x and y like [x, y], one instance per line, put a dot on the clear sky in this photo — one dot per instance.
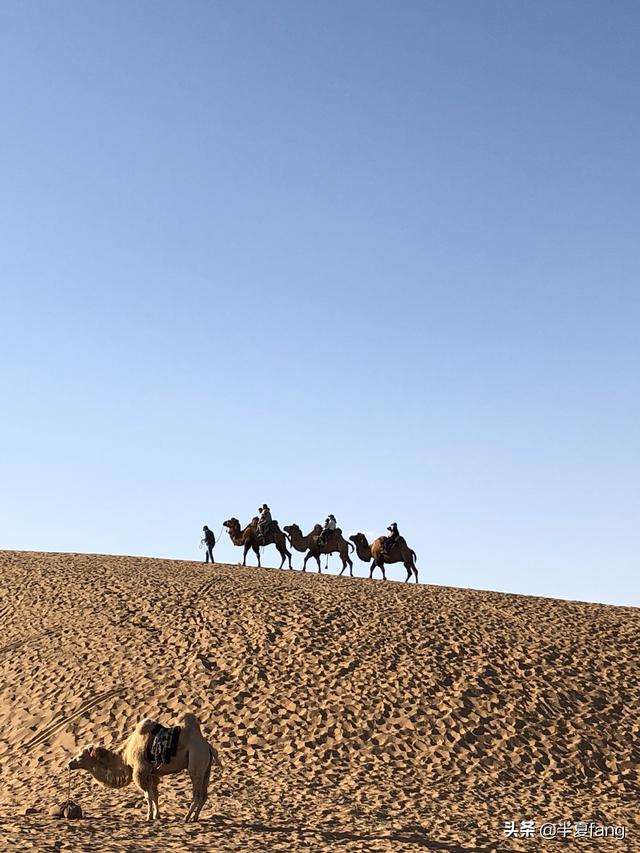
[379, 259]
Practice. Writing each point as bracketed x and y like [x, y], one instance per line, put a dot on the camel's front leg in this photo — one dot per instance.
[154, 797]
[145, 783]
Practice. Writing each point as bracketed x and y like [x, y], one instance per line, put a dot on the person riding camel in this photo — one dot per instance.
[329, 526]
[264, 520]
[392, 538]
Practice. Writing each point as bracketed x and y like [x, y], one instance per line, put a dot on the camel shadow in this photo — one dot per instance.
[412, 834]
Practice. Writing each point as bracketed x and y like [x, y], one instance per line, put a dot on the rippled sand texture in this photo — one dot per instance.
[349, 714]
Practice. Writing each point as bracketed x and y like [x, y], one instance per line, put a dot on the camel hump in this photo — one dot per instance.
[147, 725]
[190, 721]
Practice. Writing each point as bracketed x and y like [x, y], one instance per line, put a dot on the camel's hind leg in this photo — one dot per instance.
[199, 771]
[284, 554]
[410, 566]
[346, 561]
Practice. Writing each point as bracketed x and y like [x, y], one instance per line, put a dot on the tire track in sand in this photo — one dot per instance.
[10, 647]
[54, 728]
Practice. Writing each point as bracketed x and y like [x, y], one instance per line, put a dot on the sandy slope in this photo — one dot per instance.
[349, 714]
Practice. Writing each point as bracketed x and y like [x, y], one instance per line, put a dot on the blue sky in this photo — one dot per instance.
[375, 259]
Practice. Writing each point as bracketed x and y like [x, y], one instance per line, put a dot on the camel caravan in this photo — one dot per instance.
[263, 530]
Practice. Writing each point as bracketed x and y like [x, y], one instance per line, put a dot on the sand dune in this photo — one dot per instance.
[349, 714]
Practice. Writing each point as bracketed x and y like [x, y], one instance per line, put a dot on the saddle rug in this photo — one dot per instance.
[162, 744]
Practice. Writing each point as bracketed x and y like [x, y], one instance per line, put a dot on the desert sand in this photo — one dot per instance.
[349, 714]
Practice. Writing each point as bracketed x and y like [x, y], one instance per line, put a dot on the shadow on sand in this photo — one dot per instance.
[411, 834]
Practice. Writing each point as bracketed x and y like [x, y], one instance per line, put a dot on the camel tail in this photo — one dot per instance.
[213, 758]
[415, 556]
[351, 545]
[190, 721]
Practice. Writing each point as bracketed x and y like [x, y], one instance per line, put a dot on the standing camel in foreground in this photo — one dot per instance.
[334, 542]
[134, 762]
[398, 553]
[249, 538]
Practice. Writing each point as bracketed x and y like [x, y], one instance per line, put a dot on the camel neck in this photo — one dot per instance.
[112, 771]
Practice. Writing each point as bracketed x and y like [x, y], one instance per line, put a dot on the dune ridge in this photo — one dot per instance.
[349, 714]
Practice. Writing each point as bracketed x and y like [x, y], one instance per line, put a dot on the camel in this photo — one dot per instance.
[399, 553]
[117, 769]
[335, 542]
[249, 538]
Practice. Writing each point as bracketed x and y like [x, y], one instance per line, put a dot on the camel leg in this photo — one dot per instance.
[373, 565]
[246, 551]
[283, 555]
[154, 797]
[144, 782]
[318, 562]
[257, 553]
[346, 560]
[199, 771]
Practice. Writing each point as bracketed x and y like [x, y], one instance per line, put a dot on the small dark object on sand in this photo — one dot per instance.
[68, 809]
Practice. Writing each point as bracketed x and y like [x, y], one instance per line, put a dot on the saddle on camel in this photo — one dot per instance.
[328, 536]
[162, 744]
[266, 532]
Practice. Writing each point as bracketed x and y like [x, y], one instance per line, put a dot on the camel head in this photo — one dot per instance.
[359, 539]
[292, 528]
[87, 758]
[231, 524]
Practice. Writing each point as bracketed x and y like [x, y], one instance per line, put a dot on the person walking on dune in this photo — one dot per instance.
[209, 540]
